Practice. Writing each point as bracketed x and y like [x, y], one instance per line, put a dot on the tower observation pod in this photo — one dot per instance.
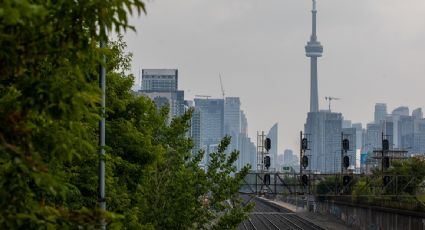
[314, 50]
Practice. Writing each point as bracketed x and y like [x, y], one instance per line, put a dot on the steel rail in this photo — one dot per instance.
[274, 225]
[290, 221]
[253, 225]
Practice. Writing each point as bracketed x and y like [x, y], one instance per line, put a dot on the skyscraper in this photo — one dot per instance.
[244, 123]
[401, 111]
[418, 114]
[195, 131]
[232, 120]
[314, 50]
[397, 114]
[380, 112]
[159, 80]
[161, 85]
[212, 121]
[289, 158]
[359, 135]
[323, 129]
[247, 149]
[248, 152]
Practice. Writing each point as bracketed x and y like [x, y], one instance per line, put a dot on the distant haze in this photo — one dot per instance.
[373, 52]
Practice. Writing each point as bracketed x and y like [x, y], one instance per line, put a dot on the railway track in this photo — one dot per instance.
[266, 216]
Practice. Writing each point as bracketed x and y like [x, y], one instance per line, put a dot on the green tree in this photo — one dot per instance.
[327, 187]
[403, 185]
[178, 194]
[49, 105]
[49, 108]
[154, 180]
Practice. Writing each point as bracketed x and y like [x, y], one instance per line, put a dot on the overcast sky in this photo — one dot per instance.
[373, 52]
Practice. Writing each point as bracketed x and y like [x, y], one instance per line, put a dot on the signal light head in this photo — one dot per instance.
[268, 144]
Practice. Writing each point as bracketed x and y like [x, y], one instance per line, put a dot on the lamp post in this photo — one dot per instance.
[102, 84]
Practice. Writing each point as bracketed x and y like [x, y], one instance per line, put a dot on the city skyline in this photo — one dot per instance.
[261, 46]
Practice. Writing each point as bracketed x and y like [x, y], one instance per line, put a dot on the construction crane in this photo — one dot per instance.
[205, 96]
[222, 88]
[329, 99]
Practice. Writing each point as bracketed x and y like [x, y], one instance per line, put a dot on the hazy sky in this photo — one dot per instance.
[373, 52]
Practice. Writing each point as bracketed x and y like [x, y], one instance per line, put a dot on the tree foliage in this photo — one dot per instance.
[49, 110]
[404, 177]
[400, 186]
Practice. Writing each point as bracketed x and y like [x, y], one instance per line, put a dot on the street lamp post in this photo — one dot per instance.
[102, 84]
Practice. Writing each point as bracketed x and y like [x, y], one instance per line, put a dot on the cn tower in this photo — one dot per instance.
[314, 50]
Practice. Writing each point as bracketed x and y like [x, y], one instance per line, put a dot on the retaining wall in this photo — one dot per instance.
[365, 217]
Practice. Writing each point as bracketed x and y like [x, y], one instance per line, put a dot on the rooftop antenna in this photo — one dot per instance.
[221, 84]
[329, 99]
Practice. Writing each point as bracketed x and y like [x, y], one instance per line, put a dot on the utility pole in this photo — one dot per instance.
[102, 84]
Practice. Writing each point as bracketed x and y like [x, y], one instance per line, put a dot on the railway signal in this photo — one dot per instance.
[346, 180]
[267, 161]
[385, 145]
[346, 162]
[304, 144]
[305, 161]
[345, 145]
[268, 144]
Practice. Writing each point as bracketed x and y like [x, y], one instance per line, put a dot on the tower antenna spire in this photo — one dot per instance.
[314, 50]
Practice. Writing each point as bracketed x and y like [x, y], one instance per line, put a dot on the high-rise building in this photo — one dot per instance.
[247, 151]
[161, 85]
[380, 112]
[289, 158]
[195, 131]
[387, 128]
[279, 162]
[359, 135]
[323, 129]
[288, 161]
[400, 116]
[412, 132]
[346, 124]
[244, 123]
[232, 120]
[407, 126]
[273, 135]
[418, 114]
[212, 121]
[401, 111]
[174, 100]
[314, 50]
[159, 80]
[373, 136]
[373, 140]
